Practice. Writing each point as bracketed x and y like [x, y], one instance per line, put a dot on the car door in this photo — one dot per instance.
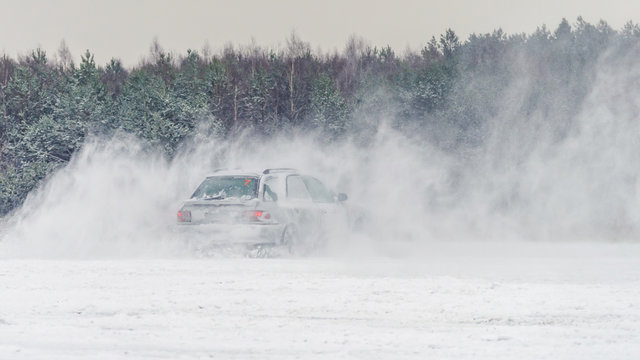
[301, 205]
[333, 213]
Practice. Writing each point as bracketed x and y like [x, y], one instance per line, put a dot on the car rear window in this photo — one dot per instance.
[226, 187]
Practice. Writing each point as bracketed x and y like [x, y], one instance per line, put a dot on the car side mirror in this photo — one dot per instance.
[342, 197]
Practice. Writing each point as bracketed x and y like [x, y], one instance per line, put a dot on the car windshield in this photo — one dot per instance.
[225, 187]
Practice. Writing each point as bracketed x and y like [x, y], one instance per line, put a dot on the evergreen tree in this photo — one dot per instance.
[448, 93]
[330, 112]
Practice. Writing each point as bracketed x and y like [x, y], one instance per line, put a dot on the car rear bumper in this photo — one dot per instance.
[231, 234]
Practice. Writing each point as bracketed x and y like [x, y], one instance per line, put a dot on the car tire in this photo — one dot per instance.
[291, 239]
[358, 224]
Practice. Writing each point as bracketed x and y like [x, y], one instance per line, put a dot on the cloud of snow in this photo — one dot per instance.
[524, 182]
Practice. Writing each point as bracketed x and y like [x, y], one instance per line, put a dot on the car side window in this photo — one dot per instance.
[296, 190]
[270, 189]
[319, 192]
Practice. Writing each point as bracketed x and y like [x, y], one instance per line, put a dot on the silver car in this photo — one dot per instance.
[278, 207]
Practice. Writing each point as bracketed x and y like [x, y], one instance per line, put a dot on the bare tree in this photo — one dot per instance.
[66, 59]
[206, 52]
[296, 48]
[162, 61]
[156, 51]
[6, 70]
[353, 52]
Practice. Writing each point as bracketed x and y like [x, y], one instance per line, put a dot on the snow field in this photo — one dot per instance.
[487, 301]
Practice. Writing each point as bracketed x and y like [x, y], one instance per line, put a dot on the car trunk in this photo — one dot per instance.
[218, 211]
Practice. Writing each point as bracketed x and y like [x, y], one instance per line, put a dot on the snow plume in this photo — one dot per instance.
[551, 176]
[118, 197]
[536, 176]
[111, 199]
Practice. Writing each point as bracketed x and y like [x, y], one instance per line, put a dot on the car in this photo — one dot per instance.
[277, 207]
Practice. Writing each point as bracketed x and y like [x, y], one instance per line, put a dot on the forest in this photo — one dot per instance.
[445, 93]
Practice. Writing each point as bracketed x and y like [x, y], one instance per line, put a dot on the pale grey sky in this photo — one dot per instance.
[125, 29]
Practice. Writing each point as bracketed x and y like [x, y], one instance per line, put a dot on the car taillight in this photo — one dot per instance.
[257, 215]
[184, 216]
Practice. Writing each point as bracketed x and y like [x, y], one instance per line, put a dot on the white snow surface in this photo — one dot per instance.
[449, 300]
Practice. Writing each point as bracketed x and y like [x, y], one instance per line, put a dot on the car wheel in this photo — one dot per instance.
[291, 239]
[358, 224]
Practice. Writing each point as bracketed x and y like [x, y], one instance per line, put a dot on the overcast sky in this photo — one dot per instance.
[125, 29]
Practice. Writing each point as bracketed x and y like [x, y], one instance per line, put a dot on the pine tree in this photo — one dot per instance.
[330, 111]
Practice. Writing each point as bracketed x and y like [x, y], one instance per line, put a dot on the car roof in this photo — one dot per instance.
[239, 172]
[235, 173]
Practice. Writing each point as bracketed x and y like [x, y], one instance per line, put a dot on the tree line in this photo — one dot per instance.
[445, 93]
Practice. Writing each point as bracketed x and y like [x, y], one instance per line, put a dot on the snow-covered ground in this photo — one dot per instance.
[463, 301]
